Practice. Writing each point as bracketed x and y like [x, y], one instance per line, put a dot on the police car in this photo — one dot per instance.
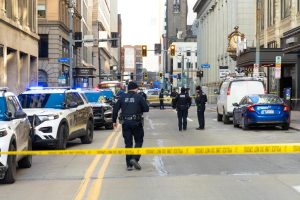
[153, 98]
[58, 115]
[15, 132]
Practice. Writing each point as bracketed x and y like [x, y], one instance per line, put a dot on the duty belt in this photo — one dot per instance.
[131, 117]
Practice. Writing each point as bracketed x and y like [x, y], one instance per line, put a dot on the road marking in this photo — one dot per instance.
[150, 122]
[158, 162]
[95, 190]
[91, 168]
[189, 119]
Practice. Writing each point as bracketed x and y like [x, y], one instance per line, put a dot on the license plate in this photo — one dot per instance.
[269, 112]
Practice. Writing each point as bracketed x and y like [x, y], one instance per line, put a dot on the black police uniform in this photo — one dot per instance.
[182, 103]
[201, 100]
[143, 95]
[132, 107]
[173, 96]
[161, 100]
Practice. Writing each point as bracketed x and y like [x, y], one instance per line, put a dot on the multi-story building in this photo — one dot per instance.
[175, 29]
[18, 44]
[216, 20]
[53, 29]
[139, 64]
[115, 33]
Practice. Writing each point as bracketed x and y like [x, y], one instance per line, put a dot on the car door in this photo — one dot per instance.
[72, 113]
[239, 109]
[82, 112]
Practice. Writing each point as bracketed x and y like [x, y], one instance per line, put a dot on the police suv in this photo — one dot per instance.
[15, 132]
[58, 115]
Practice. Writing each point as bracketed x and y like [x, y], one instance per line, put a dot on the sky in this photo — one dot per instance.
[142, 24]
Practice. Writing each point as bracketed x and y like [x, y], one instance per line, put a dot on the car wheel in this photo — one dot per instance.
[88, 138]
[12, 167]
[285, 127]
[245, 126]
[62, 137]
[219, 116]
[109, 126]
[26, 162]
[225, 118]
[236, 125]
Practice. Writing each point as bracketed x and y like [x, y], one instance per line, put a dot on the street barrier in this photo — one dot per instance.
[184, 150]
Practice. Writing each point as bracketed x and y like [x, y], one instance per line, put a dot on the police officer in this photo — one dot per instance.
[182, 104]
[161, 99]
[142, 93]
[200, 100]
[132, 107]
[173, 96]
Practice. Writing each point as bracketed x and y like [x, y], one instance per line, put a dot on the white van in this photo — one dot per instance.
[232, 91]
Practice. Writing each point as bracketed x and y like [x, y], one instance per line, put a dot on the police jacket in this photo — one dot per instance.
[161, 96]
[130, 104]
[182, 101]
[143, 95]
[201, 100]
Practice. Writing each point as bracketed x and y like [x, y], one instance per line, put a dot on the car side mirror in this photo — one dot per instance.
[72, 104]
[235, 104]
[20, 114]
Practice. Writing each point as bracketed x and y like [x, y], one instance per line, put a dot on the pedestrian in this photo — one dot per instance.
[182, 103]
[161, 99]
[143, 94]
[200, 100]
[173, 95]
[132, 107]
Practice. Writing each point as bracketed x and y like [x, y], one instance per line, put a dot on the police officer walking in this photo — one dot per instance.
[200, 100]
[132, 107]
[173, 95]
[182, 104]
[161, 99]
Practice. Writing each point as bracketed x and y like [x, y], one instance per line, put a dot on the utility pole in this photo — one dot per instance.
[257, 54]
[71, 12]
[182, 69]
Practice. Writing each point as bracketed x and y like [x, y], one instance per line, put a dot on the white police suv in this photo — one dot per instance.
[58, 115]
[15, 132]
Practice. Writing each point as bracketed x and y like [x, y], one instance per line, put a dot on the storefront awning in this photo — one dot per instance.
[267, 57]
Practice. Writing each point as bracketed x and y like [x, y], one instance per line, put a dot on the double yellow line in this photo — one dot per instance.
[95, 189]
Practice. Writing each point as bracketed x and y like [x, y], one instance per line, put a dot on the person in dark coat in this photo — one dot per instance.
[161, 99]
[173, 95]
[200, 100]
[182, 103]
[132, 106]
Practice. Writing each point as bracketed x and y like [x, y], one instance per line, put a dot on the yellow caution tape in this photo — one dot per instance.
[187, 150]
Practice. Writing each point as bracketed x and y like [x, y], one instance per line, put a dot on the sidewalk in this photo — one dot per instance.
[295, 120]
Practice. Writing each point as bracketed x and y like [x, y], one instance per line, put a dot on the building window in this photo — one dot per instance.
[272, 44]
[262, 16]
[298, 5]
[286, 8]
[43, 46]
[65, 48]
[188, 53]
[178, 65]
[176, 6]
[271, 12]
[41, 9]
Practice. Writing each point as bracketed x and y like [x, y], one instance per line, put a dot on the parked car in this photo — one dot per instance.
[153, 97]
[232, 91]
[101, 110]
[15, 130]
[58, 115]
[256, 110]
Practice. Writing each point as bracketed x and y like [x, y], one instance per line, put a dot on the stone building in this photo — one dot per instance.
[18, 44]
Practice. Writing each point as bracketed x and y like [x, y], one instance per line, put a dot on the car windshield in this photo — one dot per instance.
[153, 92]
[2, 109]
[92, 96]
[107, 93]
[265, 99]
[54, 100]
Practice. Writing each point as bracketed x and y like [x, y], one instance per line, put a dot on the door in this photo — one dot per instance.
[82, 111]
[72, 113]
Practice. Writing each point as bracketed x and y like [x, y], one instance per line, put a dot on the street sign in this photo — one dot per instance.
[62, 80]
[63, 60]
[206, 66]
[174, 75]
[278, 59]
[167, 75]
[88, 40]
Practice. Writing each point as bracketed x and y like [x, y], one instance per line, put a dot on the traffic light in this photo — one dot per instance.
[119, 76]
[145, 75]
[131, 76]
[200, 73]
[160, 74]
[173, 49]
[144, 50]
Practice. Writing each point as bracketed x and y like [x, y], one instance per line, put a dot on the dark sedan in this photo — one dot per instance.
[256, 110]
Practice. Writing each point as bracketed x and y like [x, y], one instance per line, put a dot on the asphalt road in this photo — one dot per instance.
[212, 177]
